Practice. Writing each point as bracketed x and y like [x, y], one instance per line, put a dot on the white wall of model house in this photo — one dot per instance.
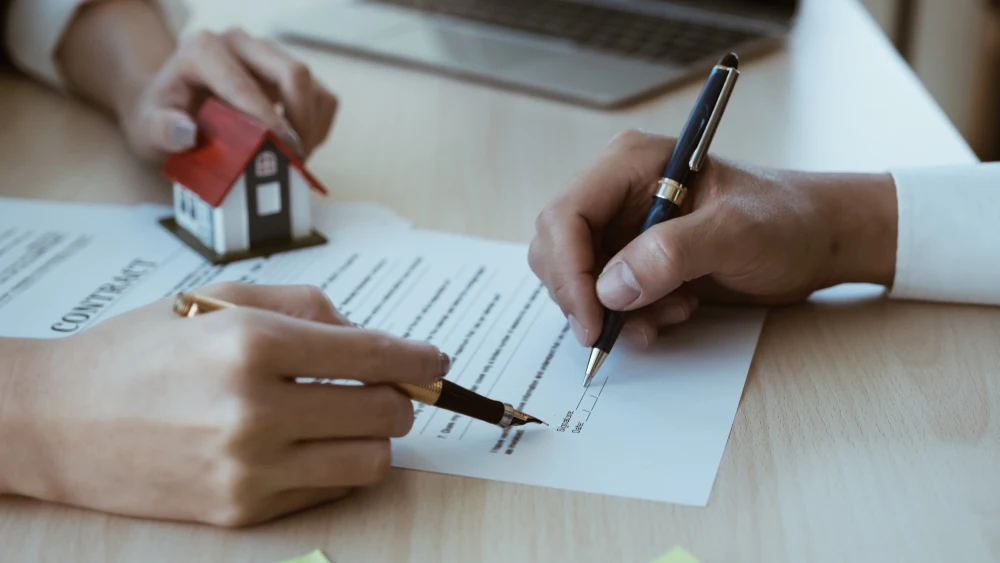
[226, 228]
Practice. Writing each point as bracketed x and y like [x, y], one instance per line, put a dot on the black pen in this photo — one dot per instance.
[687, 158]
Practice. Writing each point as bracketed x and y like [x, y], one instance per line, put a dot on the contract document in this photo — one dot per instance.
[652, 425]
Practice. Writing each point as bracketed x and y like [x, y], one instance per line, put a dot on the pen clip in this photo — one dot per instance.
[698, 157]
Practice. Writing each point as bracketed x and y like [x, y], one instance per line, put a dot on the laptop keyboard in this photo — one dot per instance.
[601, 28]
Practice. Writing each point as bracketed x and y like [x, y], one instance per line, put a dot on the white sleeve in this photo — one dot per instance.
[949, 234]
[34, 31]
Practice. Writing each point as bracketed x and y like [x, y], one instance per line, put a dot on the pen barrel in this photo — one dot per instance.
[426, 394]
[678, 167]
[460, 400]
[661, 210]
[610, 329]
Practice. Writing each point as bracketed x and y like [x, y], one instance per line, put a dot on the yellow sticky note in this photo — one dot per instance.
[316, 556]
[676, 555]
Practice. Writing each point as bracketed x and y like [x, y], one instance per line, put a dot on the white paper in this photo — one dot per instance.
[65, 267]
[652, 425]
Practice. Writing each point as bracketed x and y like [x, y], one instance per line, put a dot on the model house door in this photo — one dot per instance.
[268, 197]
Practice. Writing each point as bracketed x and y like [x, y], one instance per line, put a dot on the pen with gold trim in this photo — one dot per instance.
[442, 394]
[687, 158]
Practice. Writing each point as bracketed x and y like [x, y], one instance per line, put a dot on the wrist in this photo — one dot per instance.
[862, 217]
[21, 373]
[111, 51]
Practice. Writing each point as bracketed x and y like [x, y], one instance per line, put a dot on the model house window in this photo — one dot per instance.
[267, 164]
[188, 207]
[268, 198]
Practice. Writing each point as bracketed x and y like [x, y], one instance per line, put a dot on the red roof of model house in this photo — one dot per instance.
[227, 140]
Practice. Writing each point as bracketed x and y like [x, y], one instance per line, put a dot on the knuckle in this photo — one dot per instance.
[536, 256]
[629, 139]
[561, 292]
[201, 39]
[235, 33]
[309, 301]
[547, 219]
[298, 76]
[666, 253]
[315, 297]
[244, 344]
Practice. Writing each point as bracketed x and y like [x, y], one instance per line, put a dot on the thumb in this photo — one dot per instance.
[659, 261]
[168, 130]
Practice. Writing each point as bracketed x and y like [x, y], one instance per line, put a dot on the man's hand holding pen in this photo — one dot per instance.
[746, 235]
[714, 231]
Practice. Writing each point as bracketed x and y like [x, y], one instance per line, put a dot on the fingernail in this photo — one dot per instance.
[617, 287]
[674, 314]
[182, 134]
[293, 141]
[581, 333]
[445, 363]
[636, 335]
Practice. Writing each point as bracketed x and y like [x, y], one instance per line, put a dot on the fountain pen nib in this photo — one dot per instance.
[520, 419]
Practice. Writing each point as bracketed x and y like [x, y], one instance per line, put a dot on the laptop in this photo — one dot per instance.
[600, 53]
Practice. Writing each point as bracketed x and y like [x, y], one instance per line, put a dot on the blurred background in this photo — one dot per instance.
[954, 47]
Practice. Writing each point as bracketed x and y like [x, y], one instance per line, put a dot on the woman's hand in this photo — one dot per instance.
[250, 74]
[121, 55]
[748, 235]
[149, 414]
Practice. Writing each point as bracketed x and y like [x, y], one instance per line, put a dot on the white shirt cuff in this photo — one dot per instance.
[34, 30]
[949, 234]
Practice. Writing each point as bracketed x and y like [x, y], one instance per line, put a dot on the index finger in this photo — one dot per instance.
[303, 301]
[292, 347]
[629, 167]
[293, 81]
[214, 67]
[563, 254]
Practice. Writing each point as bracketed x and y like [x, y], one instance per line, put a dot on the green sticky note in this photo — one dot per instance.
[676, 555]
[316, 556]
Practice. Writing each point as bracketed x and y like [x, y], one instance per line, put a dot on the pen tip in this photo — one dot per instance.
[520, 419]
[730, 60]
[597, 357]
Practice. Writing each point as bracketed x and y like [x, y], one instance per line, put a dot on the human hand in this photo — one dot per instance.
[250, 74]
[153, 415]
[747, 235]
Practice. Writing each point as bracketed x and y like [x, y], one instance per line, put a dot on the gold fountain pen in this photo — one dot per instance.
[442, 394]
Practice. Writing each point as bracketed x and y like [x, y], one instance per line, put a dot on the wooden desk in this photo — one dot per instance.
[868, 430]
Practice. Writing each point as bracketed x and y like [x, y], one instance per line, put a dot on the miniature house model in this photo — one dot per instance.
[240, 192]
